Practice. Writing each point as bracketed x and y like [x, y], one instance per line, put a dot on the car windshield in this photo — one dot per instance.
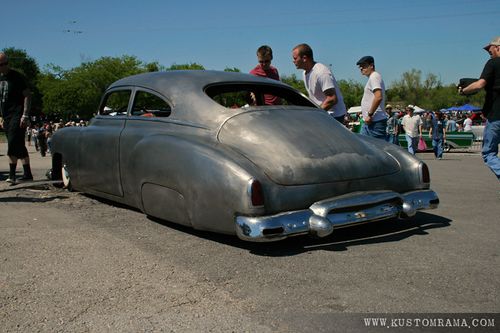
[246, 95]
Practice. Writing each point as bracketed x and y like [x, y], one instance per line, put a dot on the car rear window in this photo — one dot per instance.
[246, 95]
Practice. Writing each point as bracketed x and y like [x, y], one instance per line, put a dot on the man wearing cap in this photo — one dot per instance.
[490, 81]
[412, 124]
[373, 101]
[320, 82]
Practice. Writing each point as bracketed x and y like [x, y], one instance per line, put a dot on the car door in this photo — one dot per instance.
[100, 144]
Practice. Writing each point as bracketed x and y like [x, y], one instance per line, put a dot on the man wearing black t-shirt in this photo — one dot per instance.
[490, 81]
[15, 99]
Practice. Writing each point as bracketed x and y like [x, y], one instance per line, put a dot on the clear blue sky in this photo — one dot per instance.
[444, 37]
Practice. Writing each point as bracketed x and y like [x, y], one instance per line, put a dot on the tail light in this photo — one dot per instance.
[255, 193]
[426, 176]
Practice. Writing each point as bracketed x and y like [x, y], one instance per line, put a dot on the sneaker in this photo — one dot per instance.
[11, 181]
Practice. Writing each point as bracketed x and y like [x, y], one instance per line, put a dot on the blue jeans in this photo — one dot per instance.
[412, 144]
[437, 146]
[393, 138]
[491, 139]
[376, 129]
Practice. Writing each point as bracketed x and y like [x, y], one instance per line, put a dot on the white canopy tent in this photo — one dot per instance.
[418, 109]
[354, 109]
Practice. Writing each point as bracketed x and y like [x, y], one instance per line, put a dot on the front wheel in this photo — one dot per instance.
[66, 178]
[446, 147]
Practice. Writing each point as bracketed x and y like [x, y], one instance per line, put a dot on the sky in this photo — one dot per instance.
[442, 37]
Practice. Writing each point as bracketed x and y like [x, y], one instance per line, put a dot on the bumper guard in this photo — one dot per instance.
[324, 216]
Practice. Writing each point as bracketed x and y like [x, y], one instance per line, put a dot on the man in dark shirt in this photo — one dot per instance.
[15, 99]
[490, 81]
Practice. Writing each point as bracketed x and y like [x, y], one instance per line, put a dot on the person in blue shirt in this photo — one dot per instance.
[438, 134]
[451, 124]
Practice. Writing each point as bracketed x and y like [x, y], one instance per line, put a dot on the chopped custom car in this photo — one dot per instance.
[202, 149]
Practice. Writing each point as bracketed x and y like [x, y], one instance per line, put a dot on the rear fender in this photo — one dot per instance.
[192, 182]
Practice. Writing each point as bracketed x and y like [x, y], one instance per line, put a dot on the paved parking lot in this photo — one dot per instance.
[69, 262]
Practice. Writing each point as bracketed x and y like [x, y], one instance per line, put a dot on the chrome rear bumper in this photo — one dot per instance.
[323, 217]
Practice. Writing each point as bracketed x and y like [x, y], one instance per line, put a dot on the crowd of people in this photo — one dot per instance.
[417, 123]
[39, 134]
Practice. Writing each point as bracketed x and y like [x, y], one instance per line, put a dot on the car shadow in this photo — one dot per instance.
[31, 199]
[391, 230]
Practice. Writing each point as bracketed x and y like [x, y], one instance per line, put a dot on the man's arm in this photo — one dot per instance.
[377, 99]
[330, 100]
[26, 108]
[473, 87]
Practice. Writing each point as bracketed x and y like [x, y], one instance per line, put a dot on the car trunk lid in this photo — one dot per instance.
[303, 146]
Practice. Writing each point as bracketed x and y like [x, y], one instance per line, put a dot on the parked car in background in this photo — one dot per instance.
[454, 140]
[192, 147]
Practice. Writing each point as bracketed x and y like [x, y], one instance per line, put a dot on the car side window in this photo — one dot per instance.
[150, 105]
[115, 103]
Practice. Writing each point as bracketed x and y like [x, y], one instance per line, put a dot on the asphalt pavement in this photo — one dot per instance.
[74, 263]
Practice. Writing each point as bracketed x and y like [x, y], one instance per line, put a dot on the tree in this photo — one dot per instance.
[191, 66]
[294, 82]
[77, 92]
[154, 67]
[22, 62]
[234, 69]
[429, 94]
[352, 92]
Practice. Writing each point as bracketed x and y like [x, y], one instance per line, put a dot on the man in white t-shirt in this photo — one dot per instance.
[373, 101]
[412, 124]
[468, 124]
[320, 82]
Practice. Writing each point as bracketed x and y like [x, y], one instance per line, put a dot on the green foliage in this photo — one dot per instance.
[154, 67]
[77, 92]
[22, 62]
[234, 69]
[429, 94]
[294, 82]
[352, 92]
[191, 66]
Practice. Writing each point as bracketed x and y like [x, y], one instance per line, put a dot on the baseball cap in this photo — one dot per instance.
[495, 42]
[366, 60]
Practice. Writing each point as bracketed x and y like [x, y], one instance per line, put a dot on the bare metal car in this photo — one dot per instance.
[200, 148]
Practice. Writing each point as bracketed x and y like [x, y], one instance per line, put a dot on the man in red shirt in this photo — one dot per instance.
[264, 69]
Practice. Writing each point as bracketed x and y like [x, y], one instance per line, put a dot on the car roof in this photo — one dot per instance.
[169, 82]
[185, 91]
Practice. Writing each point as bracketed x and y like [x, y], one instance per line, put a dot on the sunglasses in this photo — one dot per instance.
[3, 64]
